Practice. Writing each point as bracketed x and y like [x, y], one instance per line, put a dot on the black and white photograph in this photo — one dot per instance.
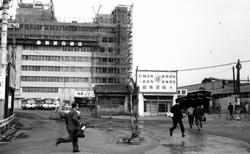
[124, 76]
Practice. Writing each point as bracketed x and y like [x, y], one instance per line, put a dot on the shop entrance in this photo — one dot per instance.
[157, 105]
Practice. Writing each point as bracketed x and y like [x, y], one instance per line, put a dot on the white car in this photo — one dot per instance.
[51, 106]
[31, 106]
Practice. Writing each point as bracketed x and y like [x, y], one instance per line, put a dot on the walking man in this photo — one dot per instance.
[72, 126]
[190, 114]
[219, 109]
[199, 115]
[230, 108]
[246, 109]
[177, 118]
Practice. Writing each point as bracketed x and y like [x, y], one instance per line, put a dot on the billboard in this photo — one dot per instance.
[157, 81]
[85, 94]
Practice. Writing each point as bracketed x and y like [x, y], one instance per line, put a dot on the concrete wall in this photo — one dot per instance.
[224, 102]
[106, 107]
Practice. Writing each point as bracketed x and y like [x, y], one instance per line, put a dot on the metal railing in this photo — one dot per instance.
[6, 121]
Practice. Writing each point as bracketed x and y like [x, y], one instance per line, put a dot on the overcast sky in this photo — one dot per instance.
[179, 34]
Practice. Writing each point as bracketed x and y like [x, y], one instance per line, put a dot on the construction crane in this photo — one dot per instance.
[95, 19]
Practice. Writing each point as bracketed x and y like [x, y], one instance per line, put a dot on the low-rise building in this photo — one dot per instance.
[157, 91]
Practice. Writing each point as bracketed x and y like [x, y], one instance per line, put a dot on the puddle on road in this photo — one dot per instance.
[205, 144]
[184, 147]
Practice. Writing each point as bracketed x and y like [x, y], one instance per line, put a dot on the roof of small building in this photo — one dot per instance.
[111, 89]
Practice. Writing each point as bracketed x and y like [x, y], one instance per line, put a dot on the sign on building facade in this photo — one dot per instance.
[157, 81]
[84, 94]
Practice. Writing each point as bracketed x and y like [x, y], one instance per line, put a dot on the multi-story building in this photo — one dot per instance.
[57, 59]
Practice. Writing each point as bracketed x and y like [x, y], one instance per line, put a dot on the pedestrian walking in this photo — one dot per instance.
[72, 126]
[219, 110]
[177, 118]
[246, 110]
[190, 114]
[230, 108]
[198, 115]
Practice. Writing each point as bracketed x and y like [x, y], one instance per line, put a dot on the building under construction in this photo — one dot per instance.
[59, 59]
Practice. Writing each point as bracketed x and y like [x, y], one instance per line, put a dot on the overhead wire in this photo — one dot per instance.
[208, 67]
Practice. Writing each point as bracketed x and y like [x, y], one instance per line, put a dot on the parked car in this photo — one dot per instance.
[48, 104]
[31, 103]
[23, 104]
[39, 104]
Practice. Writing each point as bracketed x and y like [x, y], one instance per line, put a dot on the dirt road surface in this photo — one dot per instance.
[217, 136]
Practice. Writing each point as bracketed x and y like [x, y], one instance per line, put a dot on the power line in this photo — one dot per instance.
[207, 67]
[245, 61]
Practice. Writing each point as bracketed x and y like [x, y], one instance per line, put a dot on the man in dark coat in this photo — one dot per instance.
[177, 118]
[198, 115]
[230, 109]
[72, 126]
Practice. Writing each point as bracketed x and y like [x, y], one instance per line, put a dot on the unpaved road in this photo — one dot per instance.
[217, 136]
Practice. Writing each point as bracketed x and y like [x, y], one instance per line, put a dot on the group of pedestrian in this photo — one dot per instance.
[195, 114]
[238, 110]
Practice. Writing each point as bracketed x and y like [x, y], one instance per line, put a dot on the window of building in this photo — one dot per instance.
[104, 39]
[110, 50]
[40, 89]
[104, 80]
[102, 49]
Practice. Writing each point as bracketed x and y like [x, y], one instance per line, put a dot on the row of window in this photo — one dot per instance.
[108, 39]
[53, 79]
[73, 79]
[73, 69]
[59, 48]
[66, 28]
[56, 58]
[56, 68]
[109, 80]
[74, 48]
[60, 37]
[110, 70]
[40, 89]
[72, 59]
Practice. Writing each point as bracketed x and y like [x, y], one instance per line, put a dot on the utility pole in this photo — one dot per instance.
[3, 57]
[238, 67]
[234, 86]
